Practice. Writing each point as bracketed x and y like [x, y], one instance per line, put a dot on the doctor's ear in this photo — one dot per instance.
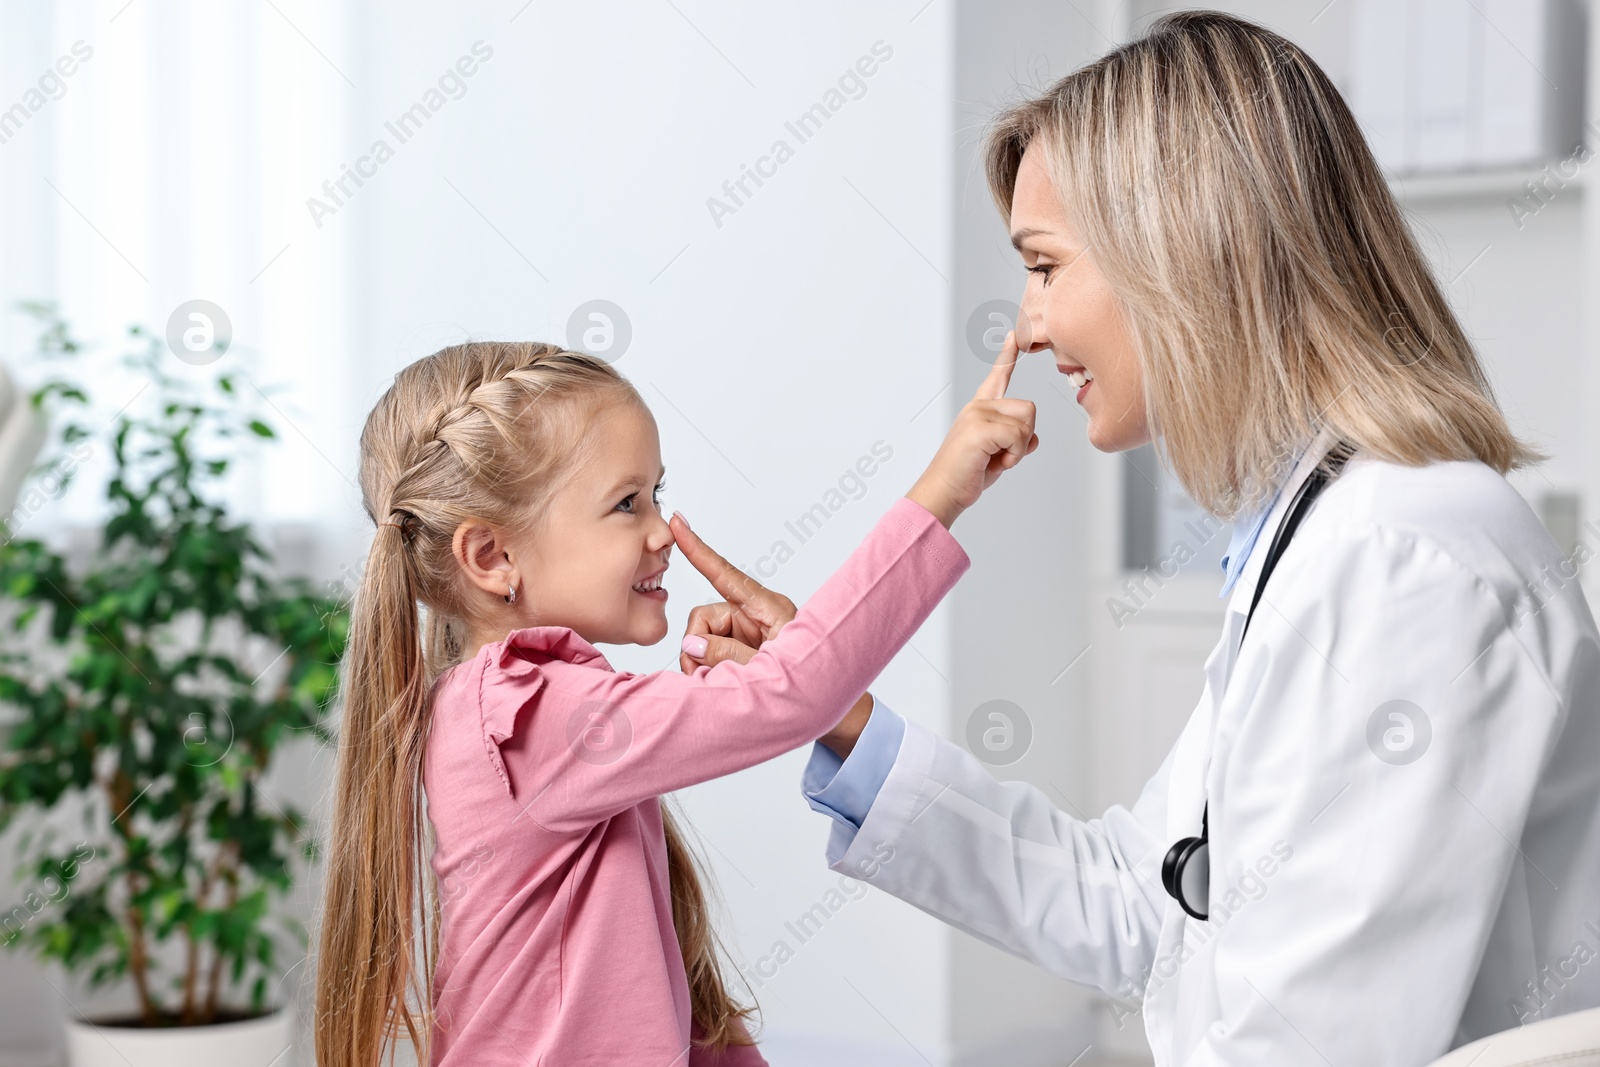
[483, 552]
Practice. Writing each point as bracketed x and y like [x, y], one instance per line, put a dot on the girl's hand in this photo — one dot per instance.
[751, 615]
[990, 435]
[732, 629]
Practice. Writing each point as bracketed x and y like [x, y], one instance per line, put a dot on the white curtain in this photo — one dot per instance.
[155, 152]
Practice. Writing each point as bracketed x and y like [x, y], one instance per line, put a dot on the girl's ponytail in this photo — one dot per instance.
[374, 867]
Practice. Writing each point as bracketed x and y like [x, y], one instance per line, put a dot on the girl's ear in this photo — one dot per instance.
[483, 554]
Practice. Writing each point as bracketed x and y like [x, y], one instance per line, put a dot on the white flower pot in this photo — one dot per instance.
[254, 1042]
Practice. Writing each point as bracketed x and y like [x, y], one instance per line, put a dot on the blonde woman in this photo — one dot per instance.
[1378, 837]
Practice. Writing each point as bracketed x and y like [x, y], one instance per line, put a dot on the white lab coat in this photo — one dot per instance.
[1363, 912]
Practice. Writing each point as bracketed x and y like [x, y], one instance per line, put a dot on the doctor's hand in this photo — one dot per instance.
[990, 435]
[734, 628]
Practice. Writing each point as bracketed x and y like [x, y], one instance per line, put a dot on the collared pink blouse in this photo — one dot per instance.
[543, 775]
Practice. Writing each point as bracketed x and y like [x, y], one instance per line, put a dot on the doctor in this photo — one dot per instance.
[1378, 837]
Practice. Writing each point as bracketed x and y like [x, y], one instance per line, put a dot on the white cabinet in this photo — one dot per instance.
[1448, 85]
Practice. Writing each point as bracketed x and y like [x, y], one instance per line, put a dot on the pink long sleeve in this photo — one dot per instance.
[543, 772]
[602, 741]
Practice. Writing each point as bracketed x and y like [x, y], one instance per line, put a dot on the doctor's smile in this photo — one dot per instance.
[1336, 802]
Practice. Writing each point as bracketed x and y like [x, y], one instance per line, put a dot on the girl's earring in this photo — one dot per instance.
[511, 594]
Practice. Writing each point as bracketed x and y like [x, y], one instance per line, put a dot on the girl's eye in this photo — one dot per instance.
[1043, 268]
[628, 500]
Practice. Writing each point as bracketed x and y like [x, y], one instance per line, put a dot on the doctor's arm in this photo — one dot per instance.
[1383, 766]
[924, 820]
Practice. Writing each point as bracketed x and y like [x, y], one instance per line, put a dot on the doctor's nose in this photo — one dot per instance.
[1031, 336]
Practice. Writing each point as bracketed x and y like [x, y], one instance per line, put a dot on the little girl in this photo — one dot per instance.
[567, 924]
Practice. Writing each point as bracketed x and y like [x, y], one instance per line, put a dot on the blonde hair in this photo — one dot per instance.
[487, 431]
[1267, 279]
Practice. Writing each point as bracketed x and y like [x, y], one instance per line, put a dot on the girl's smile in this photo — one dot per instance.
[651, 586]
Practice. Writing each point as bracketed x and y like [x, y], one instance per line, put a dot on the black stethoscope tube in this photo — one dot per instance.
[1186, 868]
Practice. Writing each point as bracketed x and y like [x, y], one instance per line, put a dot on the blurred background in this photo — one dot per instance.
[306, 197]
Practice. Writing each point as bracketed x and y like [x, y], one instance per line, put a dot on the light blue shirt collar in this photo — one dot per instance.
[1247, 530]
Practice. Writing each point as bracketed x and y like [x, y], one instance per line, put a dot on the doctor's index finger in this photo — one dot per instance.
[737, 586]
[994, 385]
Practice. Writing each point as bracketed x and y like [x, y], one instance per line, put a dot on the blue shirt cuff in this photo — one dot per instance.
[845, 789]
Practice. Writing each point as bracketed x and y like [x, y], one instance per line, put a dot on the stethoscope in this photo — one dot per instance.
[1186, 870]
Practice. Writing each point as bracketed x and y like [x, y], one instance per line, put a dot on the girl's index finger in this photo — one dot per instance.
[733, 584]
[994, 385]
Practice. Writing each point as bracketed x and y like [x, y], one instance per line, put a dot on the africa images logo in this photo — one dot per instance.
[451, 85]
[736, 191]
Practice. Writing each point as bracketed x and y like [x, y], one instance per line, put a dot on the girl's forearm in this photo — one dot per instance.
[938, 504]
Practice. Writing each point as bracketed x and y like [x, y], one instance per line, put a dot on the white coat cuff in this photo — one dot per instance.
[906, 792]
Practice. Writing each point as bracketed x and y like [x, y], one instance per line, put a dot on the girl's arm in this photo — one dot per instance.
[597, 741]
[752, 615]
[662, 731]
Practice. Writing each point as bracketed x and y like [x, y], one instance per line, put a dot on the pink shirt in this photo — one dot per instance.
[543, 774]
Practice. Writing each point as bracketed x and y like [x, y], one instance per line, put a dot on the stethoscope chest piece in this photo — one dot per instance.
[1186, 874]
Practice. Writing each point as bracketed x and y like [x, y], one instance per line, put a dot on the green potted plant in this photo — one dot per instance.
[151, 688]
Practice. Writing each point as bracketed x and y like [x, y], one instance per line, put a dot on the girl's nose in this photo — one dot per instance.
[661, 538]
